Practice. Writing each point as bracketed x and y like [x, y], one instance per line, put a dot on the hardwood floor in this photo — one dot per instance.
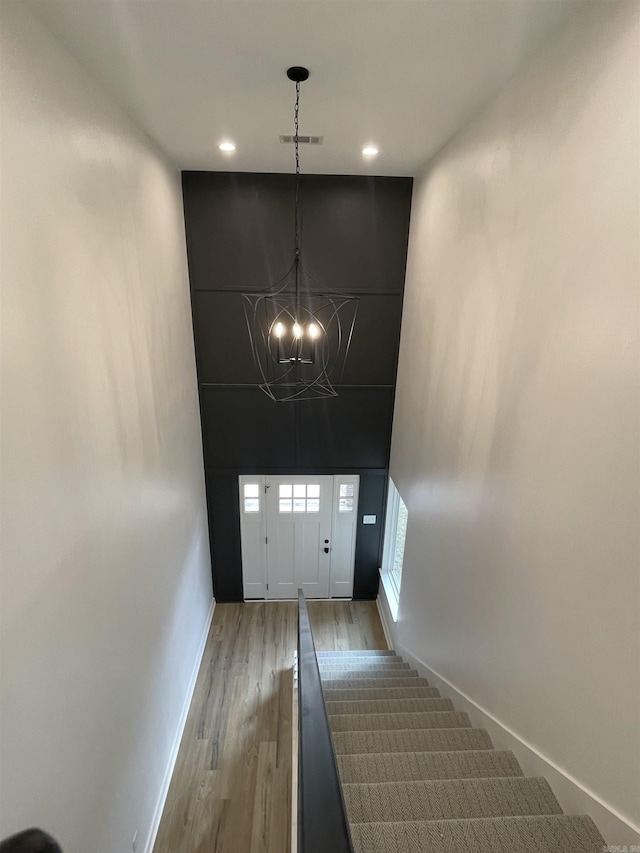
[231, 787]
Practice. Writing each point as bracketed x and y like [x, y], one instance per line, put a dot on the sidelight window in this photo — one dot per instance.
[251, 497]
[346, 497]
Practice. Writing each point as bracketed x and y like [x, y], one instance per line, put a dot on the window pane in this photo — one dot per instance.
[299, 505]
[252, 505]
[401, 535]
[313, 490]
[346, 490]
[285, 505]
[285, 491]
[299, 491]
[345, 505]
[313, 505]
[252, 490]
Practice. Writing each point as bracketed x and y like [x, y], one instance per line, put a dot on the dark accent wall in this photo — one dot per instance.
[240, 237]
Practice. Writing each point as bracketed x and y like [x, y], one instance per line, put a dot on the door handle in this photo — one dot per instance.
[326, 550]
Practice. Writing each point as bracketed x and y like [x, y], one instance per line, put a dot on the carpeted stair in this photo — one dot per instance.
[417, 777]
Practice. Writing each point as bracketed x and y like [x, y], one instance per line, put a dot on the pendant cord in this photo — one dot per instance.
[296, 124]
[296, 116]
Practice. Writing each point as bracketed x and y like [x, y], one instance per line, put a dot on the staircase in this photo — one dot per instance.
[417, 776]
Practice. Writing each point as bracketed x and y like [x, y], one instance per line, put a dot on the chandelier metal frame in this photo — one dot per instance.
[300, 335]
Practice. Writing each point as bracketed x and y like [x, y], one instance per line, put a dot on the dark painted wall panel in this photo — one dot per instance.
[223, 506]
[353, 429]
[355, 231]
[223, 346]
[243, 428]
[239, 230]
[373, 355]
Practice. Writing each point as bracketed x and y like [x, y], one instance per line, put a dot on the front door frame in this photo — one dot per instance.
[253, 534]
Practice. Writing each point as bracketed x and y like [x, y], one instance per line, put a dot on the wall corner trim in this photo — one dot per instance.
[173, 755]
[574, 797]
[385, 617]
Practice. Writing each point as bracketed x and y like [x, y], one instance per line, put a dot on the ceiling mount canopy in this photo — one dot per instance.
[300, 333]
[298, 73]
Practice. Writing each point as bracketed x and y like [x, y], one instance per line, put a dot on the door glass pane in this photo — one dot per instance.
[285, 504]
[285, 491]
[313, 505]
[313, 490]
[252, 505]
[252, 490]
[345, 505]
[346, 490]
[299, 491]
[299, 505]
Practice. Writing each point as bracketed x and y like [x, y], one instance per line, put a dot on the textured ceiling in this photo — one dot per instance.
[403, 74]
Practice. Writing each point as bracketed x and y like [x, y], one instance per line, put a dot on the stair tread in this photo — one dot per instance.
[449, 799]
[411, 766]
[353, 658]
[356, 652]
[411, 740]
[539, 834]
[415, 720]
[389, 706]
[385, 693]
[355, 683]
[372, 672]
[363, 665]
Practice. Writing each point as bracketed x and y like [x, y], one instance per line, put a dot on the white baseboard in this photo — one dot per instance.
[573, 797]
[173, 755]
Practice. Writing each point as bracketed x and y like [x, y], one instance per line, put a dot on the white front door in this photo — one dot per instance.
[298, 532]
[299, 510]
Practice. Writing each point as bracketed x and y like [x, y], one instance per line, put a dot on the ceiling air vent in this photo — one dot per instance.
[287, 139]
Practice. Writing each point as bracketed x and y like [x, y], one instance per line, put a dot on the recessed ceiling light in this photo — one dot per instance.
[370, 151]
[227, 146]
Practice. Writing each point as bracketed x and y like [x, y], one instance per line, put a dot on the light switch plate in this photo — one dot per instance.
[368, 519]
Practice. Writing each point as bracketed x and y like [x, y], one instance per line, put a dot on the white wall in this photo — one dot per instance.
[106, 586]
[516, 431]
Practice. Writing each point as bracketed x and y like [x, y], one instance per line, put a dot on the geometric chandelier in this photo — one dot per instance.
[300, 335]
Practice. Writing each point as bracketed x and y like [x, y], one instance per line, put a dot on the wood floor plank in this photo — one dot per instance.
[231, 786]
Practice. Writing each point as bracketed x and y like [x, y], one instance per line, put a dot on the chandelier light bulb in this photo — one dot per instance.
[279, 330]
[313, 331]
[297, 330]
